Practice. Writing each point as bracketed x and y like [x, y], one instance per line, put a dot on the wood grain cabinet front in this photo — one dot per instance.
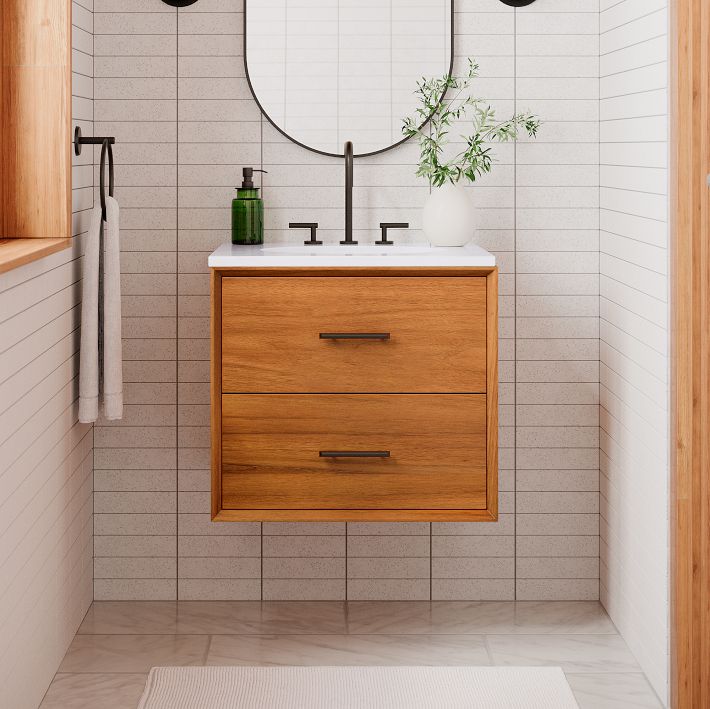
[417, 334]
[353, 451]
[354, 395]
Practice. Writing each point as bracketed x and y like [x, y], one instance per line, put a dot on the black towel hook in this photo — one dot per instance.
[80, 140]
[105, 143]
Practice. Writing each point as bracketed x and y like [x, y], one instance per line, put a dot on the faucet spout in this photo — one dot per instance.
[348, 195]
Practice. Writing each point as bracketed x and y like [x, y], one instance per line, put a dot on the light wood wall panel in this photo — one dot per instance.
[35, 122]
[2, 110]
[690, 508]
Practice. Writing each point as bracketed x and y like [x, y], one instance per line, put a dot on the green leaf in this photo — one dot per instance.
[448, 99]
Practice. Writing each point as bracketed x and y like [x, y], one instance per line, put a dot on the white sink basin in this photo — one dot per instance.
[360, 256]
[359, 250]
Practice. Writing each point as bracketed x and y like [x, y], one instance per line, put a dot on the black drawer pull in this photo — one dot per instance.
[354, 336]
[354, 454]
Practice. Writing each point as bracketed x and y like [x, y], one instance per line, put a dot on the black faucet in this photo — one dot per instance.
[348, 195]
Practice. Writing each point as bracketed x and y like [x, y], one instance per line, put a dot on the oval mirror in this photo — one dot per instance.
[327, 71]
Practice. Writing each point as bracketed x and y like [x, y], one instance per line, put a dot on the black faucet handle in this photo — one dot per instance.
[307, 225]
[390, 225]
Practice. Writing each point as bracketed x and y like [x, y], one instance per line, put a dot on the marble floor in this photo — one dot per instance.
[118, 643]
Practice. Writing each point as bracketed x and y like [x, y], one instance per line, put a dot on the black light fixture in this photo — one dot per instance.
[180, 3]
[517, 3]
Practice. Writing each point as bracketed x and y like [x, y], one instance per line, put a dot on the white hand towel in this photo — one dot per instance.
[89, 350]
[113, 352]
[105, 335]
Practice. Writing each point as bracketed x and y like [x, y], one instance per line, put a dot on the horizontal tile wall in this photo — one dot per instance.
[557, 304]
[135, 461]
[634, 328]
[477, 561]
[170, 85]
[46, 499]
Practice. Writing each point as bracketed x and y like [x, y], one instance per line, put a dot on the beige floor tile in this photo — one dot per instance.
[130, 617]
[255, 618]
[133, 653]
[562, 618]
[94, 691]
[439, 617]
[119, 642]
[348, 650]
[488, 617]
[613, 691]
[574, 653]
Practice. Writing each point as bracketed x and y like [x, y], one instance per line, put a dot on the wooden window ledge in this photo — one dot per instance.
[18, 252]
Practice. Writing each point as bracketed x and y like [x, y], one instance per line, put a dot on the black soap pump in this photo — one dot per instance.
[248, 211]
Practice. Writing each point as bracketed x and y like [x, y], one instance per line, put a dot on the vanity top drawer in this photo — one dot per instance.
[349, 451]
[354, 334]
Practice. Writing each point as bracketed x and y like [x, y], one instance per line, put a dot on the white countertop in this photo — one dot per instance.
[365, 255]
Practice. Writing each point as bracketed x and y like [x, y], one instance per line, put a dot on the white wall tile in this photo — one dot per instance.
[634, 328]
[188, 120]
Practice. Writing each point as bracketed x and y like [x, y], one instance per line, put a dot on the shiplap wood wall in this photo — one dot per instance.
[46, 456]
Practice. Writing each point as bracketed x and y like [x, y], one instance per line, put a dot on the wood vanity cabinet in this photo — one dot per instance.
[354, 394]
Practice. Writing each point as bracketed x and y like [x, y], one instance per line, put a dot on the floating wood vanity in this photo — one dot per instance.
[365, 392]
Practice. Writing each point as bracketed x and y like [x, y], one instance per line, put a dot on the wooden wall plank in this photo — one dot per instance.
[35, 119]
[690, 506]
[18, 252]
[3, 194]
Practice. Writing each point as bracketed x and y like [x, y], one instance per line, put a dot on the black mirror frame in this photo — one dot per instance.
[179, 3]
[303, 145]
[517, 3]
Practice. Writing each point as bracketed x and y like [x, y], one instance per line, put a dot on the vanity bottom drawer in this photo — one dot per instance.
[353, 451]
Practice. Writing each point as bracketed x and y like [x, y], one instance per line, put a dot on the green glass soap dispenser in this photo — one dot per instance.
[248, 211]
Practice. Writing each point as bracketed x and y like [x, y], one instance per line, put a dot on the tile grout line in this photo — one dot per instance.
[515, 316]
[261, 175]
[93, 427]
[207, 650]
[346, 563]
[431, 562]
[489, 652]
[599, 331]
[177, 304]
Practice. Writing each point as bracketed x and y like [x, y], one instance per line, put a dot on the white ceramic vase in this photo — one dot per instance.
[447, 217]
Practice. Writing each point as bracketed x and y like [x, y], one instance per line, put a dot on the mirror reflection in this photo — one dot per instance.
[329, 71]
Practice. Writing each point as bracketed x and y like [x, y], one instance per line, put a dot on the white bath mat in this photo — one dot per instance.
[357, 688]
